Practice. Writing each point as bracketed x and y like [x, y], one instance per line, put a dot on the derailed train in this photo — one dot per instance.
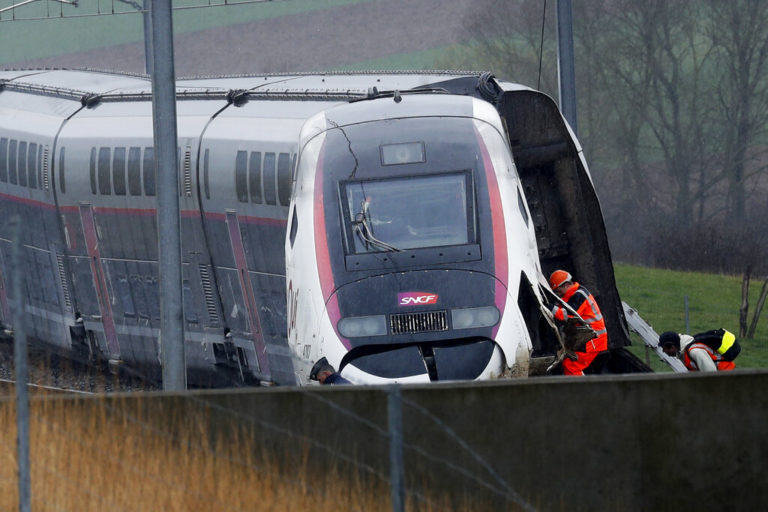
[395, 223]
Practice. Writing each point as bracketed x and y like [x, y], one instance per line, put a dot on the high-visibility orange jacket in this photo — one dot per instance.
[716, 358]
[585, 305]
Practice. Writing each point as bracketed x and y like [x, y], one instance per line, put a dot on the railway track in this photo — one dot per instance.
[8, 387]
[54, 374]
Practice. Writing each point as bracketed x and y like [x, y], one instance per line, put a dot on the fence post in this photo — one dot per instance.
[20, 366]
[395, 413]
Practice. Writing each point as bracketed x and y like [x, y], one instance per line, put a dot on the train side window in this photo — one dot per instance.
[149, 171]
[105, 180]
[269, 179]
[254, 176]
[294, 226]
[62, 182]
[32, 165]
[241, 176]
[93, 171]
[118, 171]
[206, 186]
[12, 162]
[134, 171]
[22, 163]
[293, 167]
[4, 160]
[284, 179]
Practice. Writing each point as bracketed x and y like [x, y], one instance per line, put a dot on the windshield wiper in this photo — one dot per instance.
[363, 229]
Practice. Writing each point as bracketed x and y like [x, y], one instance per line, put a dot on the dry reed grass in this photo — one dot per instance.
[103, 457]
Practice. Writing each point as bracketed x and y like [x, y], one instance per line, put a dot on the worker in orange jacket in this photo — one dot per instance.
[579, 298]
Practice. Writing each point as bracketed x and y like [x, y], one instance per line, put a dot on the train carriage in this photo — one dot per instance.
[496, 191]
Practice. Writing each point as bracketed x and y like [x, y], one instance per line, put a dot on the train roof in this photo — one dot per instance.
[88, 85]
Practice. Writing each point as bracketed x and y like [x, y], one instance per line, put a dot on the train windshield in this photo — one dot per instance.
[409, 212]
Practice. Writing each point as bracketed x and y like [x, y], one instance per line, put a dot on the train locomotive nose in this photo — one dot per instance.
[464, 359]
[420, 326]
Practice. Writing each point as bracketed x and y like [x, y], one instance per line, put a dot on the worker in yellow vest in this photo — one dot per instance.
[708, 351]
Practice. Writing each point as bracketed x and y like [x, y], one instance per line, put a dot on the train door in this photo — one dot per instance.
[99, 280]
[245, 290]
[245, 229]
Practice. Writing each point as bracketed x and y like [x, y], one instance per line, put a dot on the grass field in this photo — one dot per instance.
[26, 39]
[658, 295]
[96, 453]
[105, 457]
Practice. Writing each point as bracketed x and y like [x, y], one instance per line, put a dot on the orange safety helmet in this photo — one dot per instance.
[559, 277]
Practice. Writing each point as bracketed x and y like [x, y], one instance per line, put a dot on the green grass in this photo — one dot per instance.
[658, 295]
[24, 39]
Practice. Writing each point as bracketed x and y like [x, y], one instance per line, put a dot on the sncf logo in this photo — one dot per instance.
[416, 298]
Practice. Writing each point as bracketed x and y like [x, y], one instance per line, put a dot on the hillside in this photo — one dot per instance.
[286, 36]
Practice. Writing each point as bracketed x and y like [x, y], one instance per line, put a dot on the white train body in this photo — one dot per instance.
[438, 303]
[264, 294]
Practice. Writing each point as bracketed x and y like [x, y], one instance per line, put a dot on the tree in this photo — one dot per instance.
[673, 108]
[506, 38]
[738, 30]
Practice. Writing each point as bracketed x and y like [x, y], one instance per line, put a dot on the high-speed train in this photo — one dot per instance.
[397, 224]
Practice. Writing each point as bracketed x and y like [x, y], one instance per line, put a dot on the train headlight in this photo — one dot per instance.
[471, 318]
[357, 326]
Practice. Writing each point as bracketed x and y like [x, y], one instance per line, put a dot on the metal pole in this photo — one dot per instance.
[396, 471]
[565, 62]
[147, 38]
[20, 365]
[168, 221]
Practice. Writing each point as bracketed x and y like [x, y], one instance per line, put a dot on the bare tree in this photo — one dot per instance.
[614, 93]
[738, 30]
[687, 87]
[673, 104]
[506, 38]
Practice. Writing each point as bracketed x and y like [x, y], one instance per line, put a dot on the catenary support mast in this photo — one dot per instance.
[565, 62]
[168, 218]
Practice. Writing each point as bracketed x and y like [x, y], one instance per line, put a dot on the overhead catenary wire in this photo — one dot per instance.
[111, 12]
[541, 42]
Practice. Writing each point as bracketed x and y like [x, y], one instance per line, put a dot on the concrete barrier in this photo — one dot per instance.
[634, 442]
